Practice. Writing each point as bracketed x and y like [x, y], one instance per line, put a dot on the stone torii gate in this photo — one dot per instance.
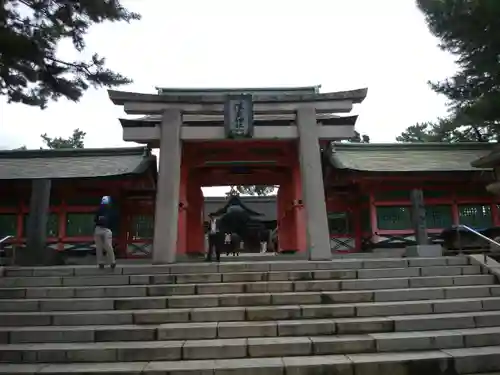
[178, 118]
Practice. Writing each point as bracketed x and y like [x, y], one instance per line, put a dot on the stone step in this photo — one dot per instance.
[250, 299]
[435, 362]
[202, 290]
[242, 329]
[251, 313]
[176, 350]
[248, 277]
[137, 290]
[184, 268]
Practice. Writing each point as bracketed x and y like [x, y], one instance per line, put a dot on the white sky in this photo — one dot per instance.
[341, 44]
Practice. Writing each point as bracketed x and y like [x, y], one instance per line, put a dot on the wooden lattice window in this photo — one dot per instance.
[8, 225]
[339, 223]
[142, 227]
[438, 216]
[393, 218]
[80, 224]
[52, 225]
[476, 216]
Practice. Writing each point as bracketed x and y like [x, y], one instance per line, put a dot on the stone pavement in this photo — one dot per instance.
[383, 316]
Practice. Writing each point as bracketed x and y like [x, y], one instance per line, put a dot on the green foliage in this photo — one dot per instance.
[359, 138]
[445, 130]
[260, 190]
[469, 30]
[30, 31]
[76, 140]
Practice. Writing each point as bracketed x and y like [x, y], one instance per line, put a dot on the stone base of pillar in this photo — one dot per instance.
[424, 251]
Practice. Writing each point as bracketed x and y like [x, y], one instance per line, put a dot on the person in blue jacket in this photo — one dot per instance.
[103, 236]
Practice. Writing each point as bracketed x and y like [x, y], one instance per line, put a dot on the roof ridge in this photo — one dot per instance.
[338, 146]
[73, 152]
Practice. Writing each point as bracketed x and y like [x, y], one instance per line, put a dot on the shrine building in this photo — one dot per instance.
[332, 196]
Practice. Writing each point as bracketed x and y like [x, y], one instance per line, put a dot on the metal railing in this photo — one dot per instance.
[480, 235]
[5, 239]
[2, 249]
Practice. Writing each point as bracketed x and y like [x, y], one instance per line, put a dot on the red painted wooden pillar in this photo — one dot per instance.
[455, 215]
[299, 229]
[183, 207]
[195, 234]
[373, 214]
[200, 228]
[124, 228]
[280, 215]
[358, 225]
[494, 214]
[287, 223]
[61, 225]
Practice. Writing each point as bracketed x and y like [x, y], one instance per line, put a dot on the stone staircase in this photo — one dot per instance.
[347, 316]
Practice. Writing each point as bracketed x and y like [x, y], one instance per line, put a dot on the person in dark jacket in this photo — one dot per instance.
[103, 236]
[214, 242]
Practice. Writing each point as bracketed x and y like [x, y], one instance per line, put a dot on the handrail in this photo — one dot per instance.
[5, 239]
[480, 235]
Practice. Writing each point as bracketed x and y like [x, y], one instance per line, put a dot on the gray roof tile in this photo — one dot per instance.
[408, 157]
[74, 163]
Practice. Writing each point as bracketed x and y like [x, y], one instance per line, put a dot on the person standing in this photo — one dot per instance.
[213, 239]
[103, 236]
[264, 240]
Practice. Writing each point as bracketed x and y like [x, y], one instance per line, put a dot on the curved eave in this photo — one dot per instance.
[148, 162]
[122, 97]
[494, 188]
[489, 161]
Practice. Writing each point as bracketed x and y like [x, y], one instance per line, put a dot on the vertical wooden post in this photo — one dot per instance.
[494, 214]
[123, 227]
[36, 252]
[418, 216]
[358, 225]
[455, 215]
[373, 213]
[280, 213]
[61, 225]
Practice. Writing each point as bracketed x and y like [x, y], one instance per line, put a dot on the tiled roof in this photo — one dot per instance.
[408, 157]
[74, 163]
[265, 206]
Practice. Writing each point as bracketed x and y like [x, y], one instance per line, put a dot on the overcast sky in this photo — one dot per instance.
[341, 44]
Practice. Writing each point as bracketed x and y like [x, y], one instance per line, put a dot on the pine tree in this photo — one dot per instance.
[74, 141]
[30, 31]
[469, 30]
